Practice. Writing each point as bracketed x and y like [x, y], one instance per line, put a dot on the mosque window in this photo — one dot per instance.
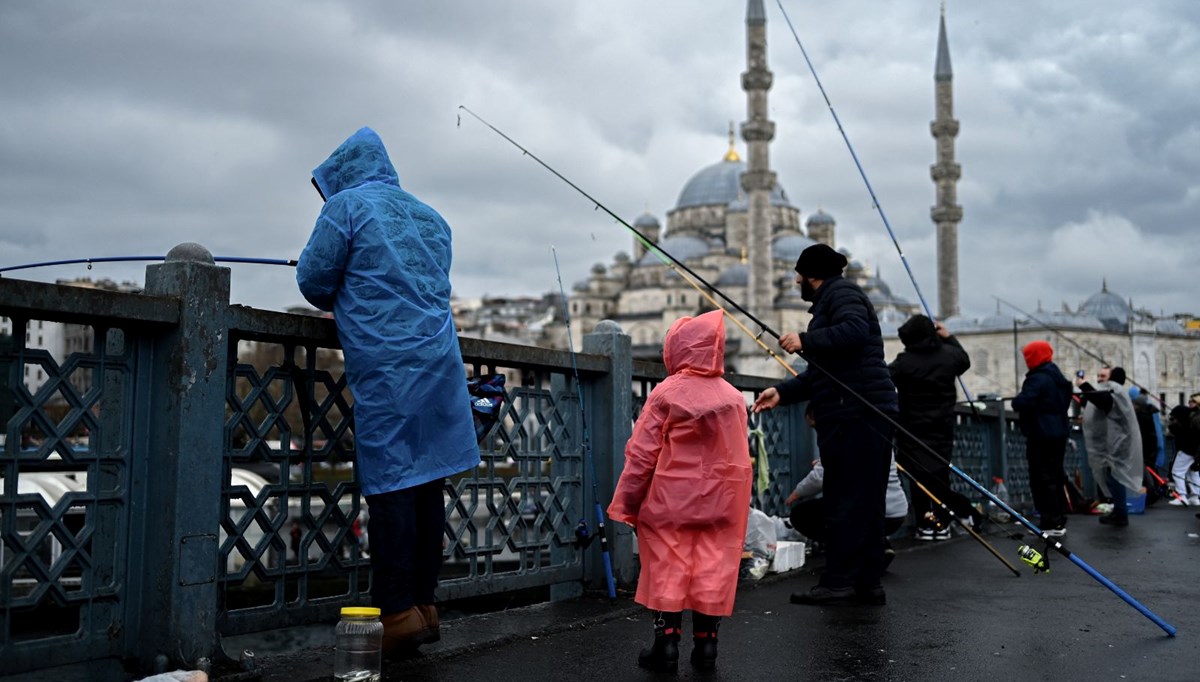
[983, 360]
[668, 299]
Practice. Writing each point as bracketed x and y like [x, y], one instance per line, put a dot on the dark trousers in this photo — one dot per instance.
[808, 518]
[406, 529]
[1119, 495]
[1047, 481]
[933, 472]
[856, 452]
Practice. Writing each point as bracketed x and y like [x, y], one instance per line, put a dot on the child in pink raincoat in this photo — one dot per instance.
[685, 488]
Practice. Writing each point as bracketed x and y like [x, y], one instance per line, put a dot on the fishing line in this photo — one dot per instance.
[587, 441]
[1051, 541]
[863, 174]
[123, 259]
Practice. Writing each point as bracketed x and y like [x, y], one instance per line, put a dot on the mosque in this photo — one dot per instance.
[735, 225]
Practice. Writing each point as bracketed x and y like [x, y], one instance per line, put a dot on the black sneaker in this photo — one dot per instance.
[1120, 521]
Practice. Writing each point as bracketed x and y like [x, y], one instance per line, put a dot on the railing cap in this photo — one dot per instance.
[190, 251]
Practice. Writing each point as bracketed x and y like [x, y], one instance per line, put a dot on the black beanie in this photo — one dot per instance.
[916, 329]
[1117, 374]
[819, 261]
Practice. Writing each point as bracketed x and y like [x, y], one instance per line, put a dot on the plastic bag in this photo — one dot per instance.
[784, 531]
[760, 535]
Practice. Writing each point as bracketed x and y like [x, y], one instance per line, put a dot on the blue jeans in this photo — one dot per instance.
[406, 529]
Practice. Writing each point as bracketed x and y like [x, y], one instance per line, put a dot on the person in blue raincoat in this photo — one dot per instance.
[379, 258]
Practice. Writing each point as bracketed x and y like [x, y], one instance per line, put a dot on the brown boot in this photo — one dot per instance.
[403, 632]
[433, 631]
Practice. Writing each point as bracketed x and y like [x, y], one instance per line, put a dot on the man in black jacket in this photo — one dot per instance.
[924, 374]
[1042, 406]
[853, 400]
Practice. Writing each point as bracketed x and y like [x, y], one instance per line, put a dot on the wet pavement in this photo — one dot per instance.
[954, 613]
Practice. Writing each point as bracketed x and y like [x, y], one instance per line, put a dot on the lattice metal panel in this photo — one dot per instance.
[514, 516]
[777, 427]
[972, 454]
[64, 507]
[291, 529]
[1017, 476]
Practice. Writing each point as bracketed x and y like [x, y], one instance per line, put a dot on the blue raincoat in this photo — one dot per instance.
[379, 258]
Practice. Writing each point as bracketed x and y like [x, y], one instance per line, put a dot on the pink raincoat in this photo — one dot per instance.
[685, 487]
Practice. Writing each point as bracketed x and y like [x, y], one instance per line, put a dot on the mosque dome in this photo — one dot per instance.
[997, 320]
[720, 184]
[1069, 320]
[820, 218]
[1107, 306]
[646, 220]
[683, 247]
[788, 247]
[1169, 326]
[736, 275]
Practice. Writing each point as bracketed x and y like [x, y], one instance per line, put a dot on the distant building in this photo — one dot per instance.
[524, 320]
[1158, 352]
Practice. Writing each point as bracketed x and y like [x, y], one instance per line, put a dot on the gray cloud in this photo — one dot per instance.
[132, 126]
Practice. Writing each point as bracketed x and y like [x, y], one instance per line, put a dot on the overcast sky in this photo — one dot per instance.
[129, 127]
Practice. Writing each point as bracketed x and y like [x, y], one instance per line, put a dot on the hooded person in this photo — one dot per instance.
[685, 488]
[924, 374]
[379, 259]
[1042, 407]
[1151, 429]
[1112, 439]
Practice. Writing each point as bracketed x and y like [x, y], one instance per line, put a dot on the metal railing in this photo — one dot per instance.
[188, 473]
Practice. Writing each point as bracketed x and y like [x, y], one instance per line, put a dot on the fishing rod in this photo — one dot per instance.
[587, 441]
[875, 203]
[123, 259]
[879, 207]
[1051, 541]
[1162, 482]
[962, 522]
[1077, 345]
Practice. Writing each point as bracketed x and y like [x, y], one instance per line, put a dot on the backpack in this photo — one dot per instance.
[486, 395]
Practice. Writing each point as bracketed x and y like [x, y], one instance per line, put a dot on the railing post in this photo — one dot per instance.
[999, 458]
[610, 414]
[179, 508]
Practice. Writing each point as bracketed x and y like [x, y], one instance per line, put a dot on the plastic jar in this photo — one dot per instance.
[358, 648]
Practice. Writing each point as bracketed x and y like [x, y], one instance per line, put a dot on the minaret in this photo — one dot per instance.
[757, 179]
[946, 214]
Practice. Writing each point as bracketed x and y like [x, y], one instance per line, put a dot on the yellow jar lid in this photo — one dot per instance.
[360, 611]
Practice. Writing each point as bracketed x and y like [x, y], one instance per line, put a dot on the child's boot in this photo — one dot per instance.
[663, 655]
[704, 640]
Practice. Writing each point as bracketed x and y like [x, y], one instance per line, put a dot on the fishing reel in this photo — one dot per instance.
[1034, 559]
[583, 536]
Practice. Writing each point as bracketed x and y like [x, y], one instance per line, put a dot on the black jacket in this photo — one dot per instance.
[1043, 402]
[924, 374]
[1185, 428]
[843, 338]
